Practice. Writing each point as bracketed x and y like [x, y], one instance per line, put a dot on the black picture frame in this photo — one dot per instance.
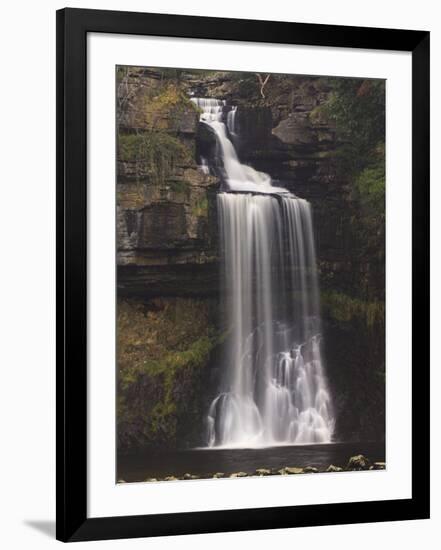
[71, 510]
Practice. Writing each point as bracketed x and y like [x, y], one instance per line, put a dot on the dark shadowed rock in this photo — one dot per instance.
[295, 130]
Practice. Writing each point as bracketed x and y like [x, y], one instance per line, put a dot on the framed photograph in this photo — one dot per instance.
[242, 275]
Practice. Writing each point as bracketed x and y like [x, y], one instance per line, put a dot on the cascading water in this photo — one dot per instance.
[274, 390]
[231, 120]
[238, 177]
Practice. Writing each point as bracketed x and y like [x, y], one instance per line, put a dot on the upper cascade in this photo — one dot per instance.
[238, 177]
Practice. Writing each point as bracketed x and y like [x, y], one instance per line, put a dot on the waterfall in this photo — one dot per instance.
[274, 389]
[231, 120]
[239, 177]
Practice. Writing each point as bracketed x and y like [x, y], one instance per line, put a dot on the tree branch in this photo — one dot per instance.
[262, 83]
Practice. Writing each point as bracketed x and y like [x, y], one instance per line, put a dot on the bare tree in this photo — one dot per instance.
[262, 83]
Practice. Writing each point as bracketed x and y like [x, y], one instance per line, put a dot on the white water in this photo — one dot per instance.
[203, 166]
[274, 391]
[231, 120]
[239, 177]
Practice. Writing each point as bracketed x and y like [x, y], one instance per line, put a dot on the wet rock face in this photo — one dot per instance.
[166, 206]
[141, 105]
[168, 242]
[163, 238]
[255, 125]
[294, 130]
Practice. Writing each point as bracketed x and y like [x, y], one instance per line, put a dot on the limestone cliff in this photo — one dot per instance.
[166, 217]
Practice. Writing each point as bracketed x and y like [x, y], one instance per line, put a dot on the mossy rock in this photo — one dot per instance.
[164, 345]
[156, 155]
[344, 308]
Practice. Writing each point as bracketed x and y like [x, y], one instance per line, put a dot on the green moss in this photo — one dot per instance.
[174, 365]
[158, 151]
[179, 186]
[121, 72]
[193, 357]
[200, 208]
[167, 105]
[370, 187]
[320, 114]
[344, 308]
[163, 347]
[166, 373]
[163, 418]
[356, 109]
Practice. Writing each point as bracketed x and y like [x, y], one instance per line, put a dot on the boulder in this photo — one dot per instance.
[310, 470]
[295, 130]
[293, 470]
[262, 472]
[358, 462]
[332, 468]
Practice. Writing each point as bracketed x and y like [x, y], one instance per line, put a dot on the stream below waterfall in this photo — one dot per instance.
[141, 466]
